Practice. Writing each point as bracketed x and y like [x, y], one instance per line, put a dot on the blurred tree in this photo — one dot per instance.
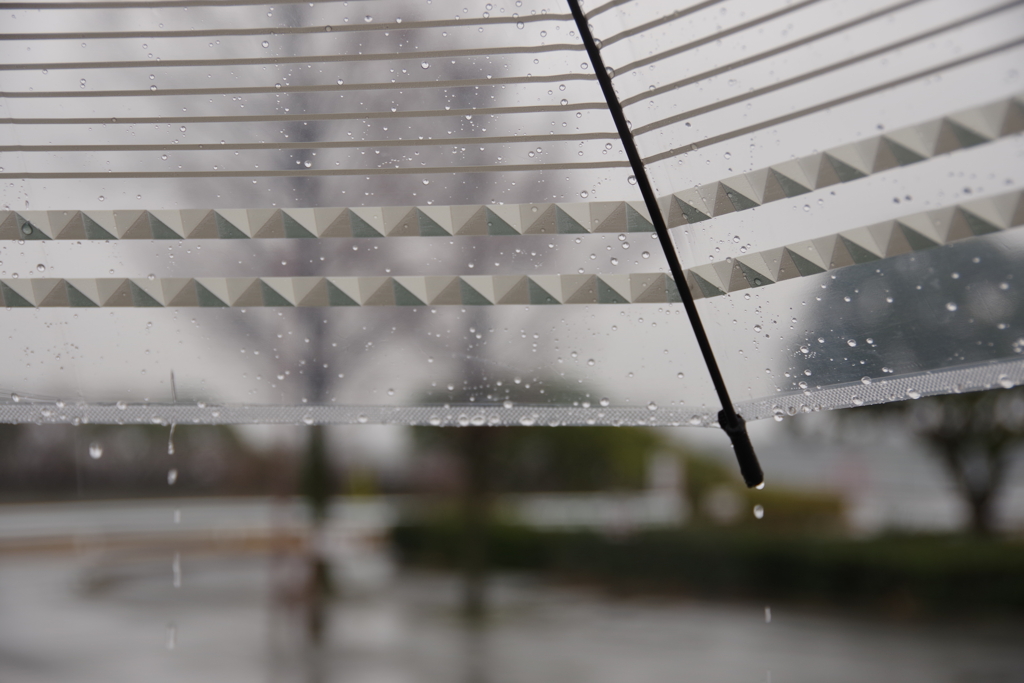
[974, 435]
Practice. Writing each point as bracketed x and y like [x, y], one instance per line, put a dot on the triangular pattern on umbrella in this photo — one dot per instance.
[861, 245]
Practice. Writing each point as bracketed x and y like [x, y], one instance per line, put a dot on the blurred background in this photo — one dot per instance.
[886, 546]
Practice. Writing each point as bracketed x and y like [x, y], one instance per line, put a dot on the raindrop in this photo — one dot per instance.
[176, 570]
[760, 487]
[172, 476]
[759, 514]
[95, 450]
[951, 307]
[172, 636]
[767, 615]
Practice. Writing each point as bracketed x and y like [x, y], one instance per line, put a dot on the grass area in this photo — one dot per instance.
[896, 574]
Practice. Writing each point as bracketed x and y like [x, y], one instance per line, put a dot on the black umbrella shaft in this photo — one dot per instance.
[730, 421]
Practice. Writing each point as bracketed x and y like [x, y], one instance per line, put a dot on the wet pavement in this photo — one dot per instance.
[116, 616]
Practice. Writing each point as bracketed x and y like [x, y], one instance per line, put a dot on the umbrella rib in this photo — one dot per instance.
[661, 21]
[117, 4]
[357, 144]
[284, 30]
[739, 132]
[728, 419]
[864, 56]
[358, 172]
[715, 36]
[262, 90]
[648, 94]
[298, 59]
[351, 116]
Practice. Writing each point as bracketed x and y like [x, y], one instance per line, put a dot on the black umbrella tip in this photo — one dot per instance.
[750, 468]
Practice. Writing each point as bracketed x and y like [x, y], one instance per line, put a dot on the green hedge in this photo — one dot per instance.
[906, 574]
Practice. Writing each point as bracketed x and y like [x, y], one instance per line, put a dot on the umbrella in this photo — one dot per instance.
[673, 213]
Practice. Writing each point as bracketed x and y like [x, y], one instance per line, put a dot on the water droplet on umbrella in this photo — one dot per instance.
[631, 180]
[1005, 382]
[266, 43]
[424, 65]
[913, 393]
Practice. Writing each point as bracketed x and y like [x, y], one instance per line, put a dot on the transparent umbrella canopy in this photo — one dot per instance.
[353, 212]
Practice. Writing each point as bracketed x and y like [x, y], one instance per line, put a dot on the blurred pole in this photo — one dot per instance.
[317, 487]
[475, 454]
